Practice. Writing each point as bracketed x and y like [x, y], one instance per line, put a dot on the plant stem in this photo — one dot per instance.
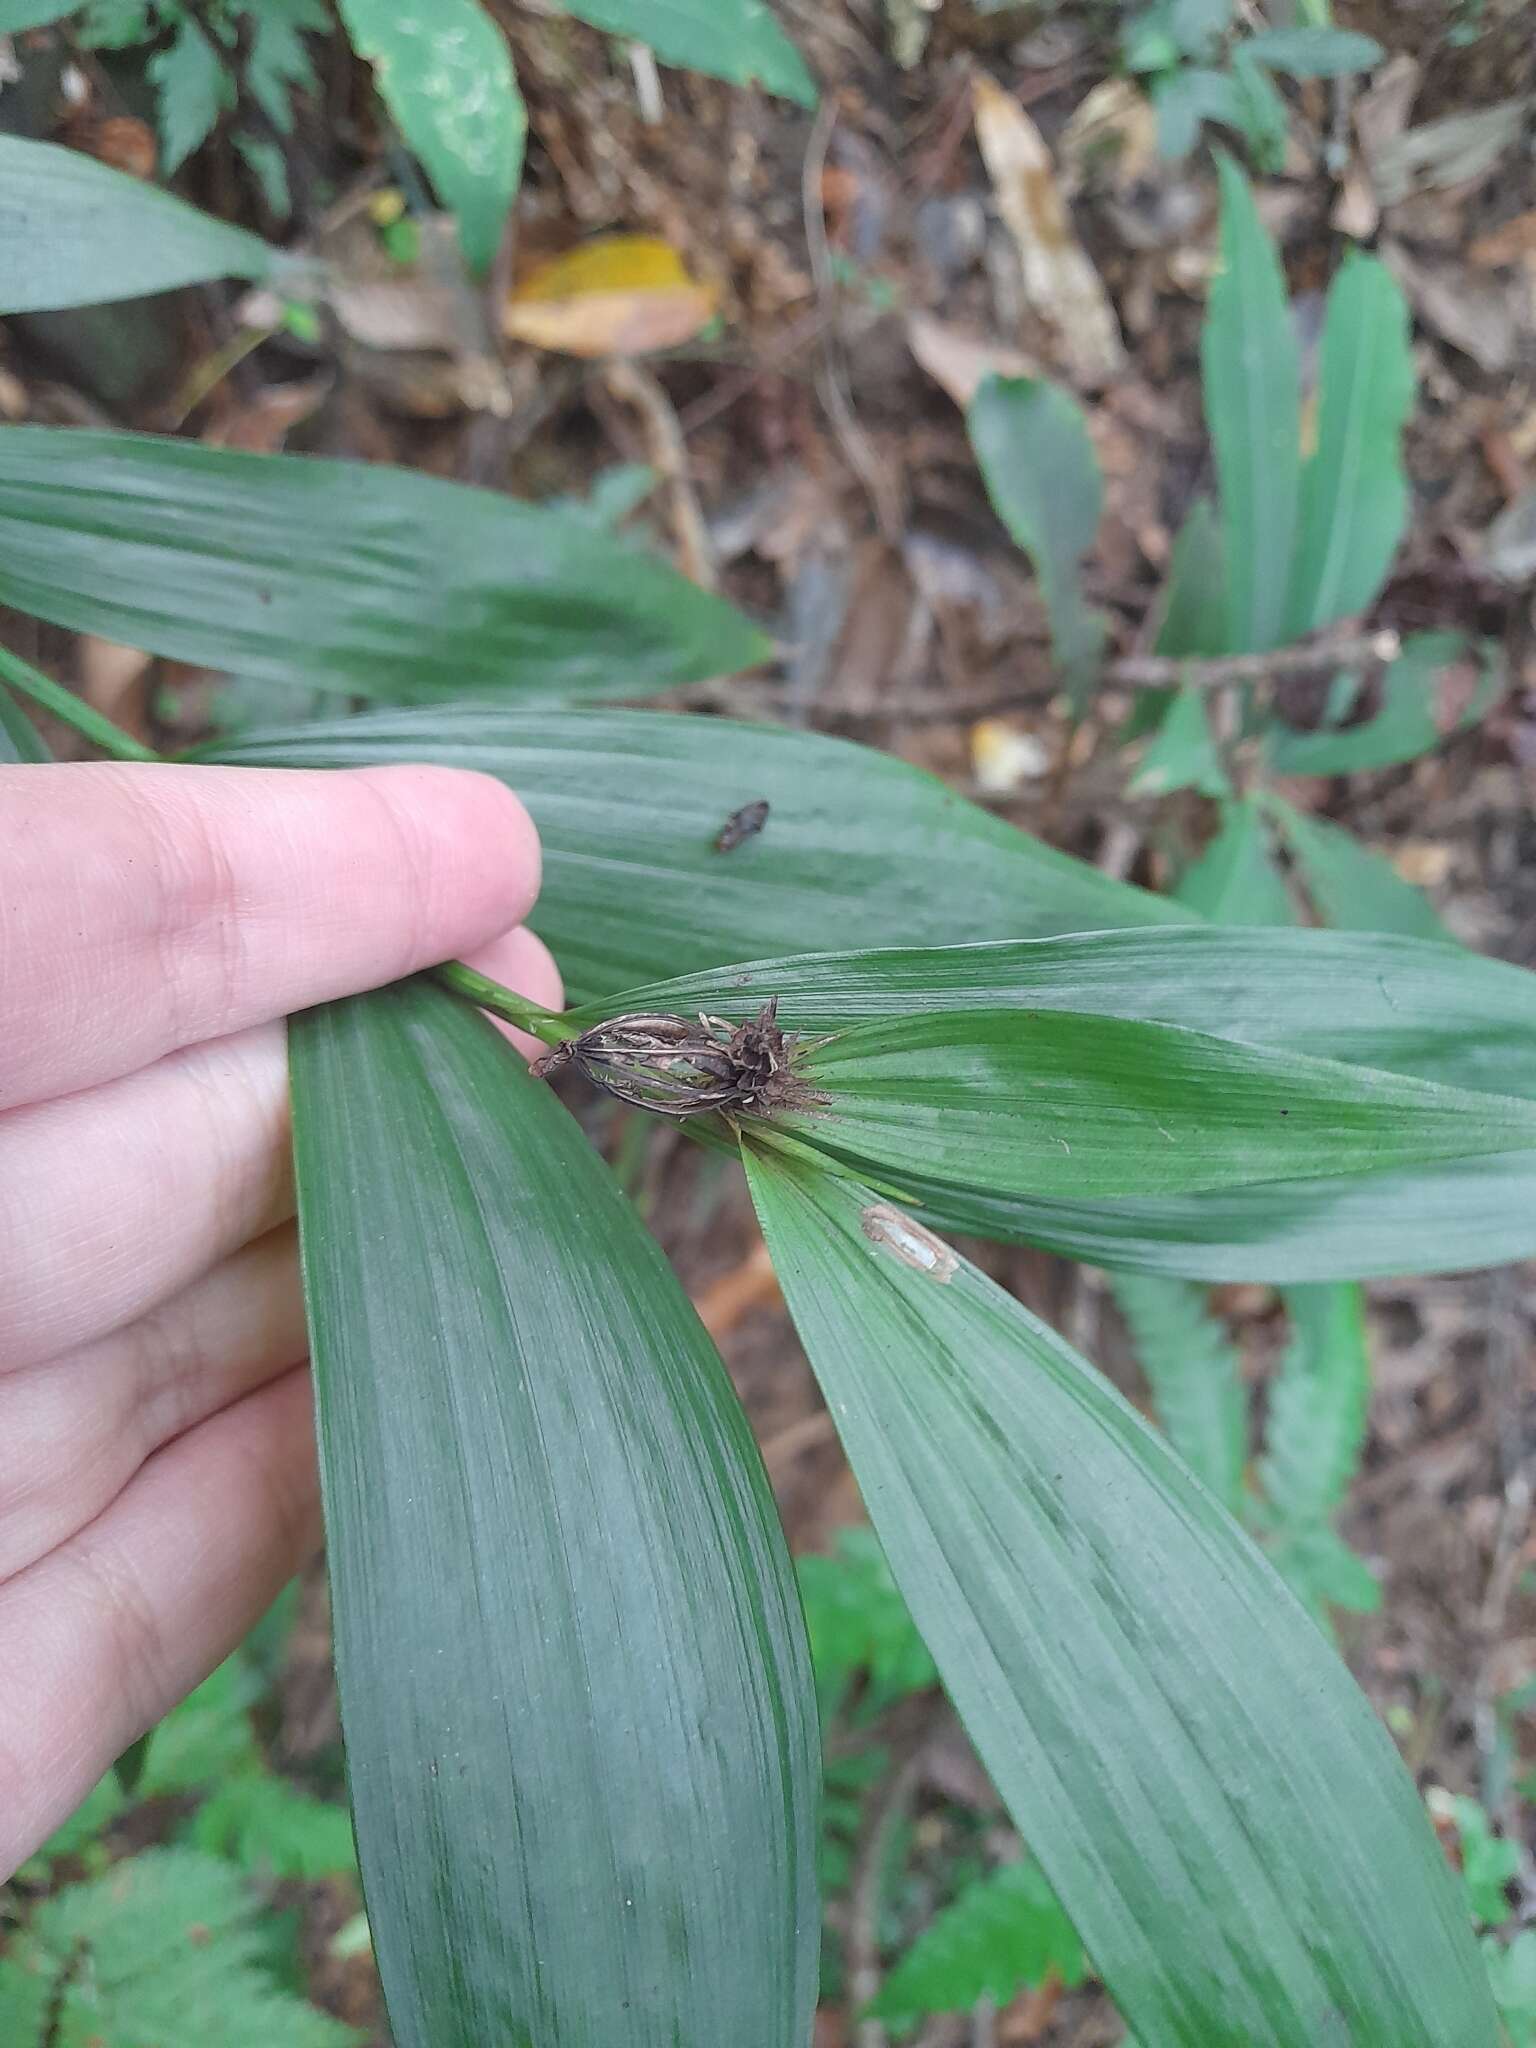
[72, 710]
[502, 1002]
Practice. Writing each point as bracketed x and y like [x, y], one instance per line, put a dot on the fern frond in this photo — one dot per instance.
[1195, 1373]
[161, 1952]
[1317, 1404]
[1000, 1935]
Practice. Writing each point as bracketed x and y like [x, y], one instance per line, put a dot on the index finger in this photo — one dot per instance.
[146, 908]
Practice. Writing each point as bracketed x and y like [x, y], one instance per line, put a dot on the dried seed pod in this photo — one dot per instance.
[678, 1067]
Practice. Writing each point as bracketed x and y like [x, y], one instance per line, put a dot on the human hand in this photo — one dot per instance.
[157, 1469]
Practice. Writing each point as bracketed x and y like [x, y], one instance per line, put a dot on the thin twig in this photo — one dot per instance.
[786, 348]
[1352, 650]
[631, 384]
[833, 382]
[884, 1814]
[1167, 672]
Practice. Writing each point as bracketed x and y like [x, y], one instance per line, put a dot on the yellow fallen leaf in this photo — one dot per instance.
[1059, 280]
[623, 295]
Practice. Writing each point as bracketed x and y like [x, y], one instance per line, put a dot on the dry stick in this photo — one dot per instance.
[871, 471]
[1169, 672]
[1351, 650]
[632, 385]
[886, 1811]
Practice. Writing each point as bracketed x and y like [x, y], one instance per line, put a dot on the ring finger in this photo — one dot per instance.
[78, 1428]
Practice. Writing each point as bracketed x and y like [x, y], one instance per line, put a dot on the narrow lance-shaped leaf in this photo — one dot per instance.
[1317, 52]
[1194, 611]
[1252, 406]
[1195, 598]
[1041, 473]
[856, 847]
[74, 232]
[421, 588]
[445, 73]
[1406, 724]
[1182, 754]
[20, 739]
[1048, 1102]
[1235, 880]
[1352, 886]
[1211, 1797]
[580, 1728]
[1354, 489]
[737, 40]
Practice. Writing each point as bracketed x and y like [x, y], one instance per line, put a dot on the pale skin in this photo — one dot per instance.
[157, 1465]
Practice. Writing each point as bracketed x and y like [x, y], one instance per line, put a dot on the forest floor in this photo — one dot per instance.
[813, 462]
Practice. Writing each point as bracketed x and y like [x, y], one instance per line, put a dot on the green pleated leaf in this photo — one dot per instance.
[1354, 489]
[857, 848]
[1042, 475]
[20, 739]
[1403, 1005]
[1235, 880]
[1253, 410]
[1196, 1376]
[1430, 1219]
[1353, 888]
[1210, 1795]
[1056, 1103]
[1195, 596]
[1366, 999]
[738, 40]
[575, 1692]
[444, 71]
[343, 575]
[74, 232]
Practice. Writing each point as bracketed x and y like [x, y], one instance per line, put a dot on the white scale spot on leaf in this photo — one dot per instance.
[910, 1243]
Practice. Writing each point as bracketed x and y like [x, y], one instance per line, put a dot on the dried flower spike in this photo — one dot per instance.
[678, 1067]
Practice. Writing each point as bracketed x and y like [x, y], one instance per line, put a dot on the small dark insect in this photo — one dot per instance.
[675, 1067]
[743, 824]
